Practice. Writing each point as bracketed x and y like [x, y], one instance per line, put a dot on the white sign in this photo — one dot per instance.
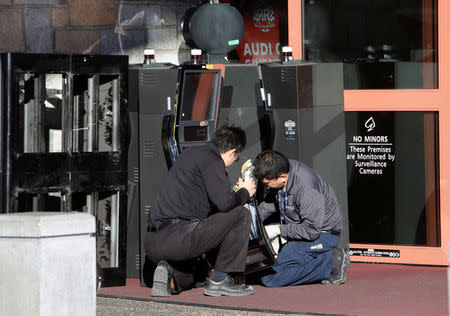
[370, 154]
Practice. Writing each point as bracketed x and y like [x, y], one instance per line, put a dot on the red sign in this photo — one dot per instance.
[261, 41]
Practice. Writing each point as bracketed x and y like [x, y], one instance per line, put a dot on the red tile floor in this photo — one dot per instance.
[370, 289]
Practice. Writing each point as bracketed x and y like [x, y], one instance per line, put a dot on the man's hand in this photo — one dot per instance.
[248, 184]
[272, 231]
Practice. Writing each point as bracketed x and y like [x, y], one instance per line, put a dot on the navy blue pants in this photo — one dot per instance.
[301, 262]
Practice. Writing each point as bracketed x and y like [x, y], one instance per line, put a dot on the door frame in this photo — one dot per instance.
[437, 100]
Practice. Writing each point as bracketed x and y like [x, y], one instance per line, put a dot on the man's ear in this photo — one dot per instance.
[228, 152]
[231, 151]
[283, 177]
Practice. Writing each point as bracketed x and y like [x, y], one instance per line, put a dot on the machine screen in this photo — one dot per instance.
[199, 95]
[195, 133]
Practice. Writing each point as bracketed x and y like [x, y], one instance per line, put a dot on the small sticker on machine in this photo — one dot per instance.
[290, 130]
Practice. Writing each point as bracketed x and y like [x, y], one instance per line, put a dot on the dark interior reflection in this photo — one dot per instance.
[393, 193]
[384, 44]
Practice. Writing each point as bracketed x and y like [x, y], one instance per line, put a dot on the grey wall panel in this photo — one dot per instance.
[318, 113]
[149, 90]
[289, 146]
[241, 104]
[156, 85]
[304, 85]
[322, 148]
[328, 85]
[241, 87]
[133, 91]
[280, 84]
[153, 168]
[133, 248]
[248, 118]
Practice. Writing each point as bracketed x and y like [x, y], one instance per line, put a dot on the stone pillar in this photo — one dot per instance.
[47, 264]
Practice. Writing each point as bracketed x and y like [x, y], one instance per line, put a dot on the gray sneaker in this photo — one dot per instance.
[227, 287]
[161, 280]
[341, 262]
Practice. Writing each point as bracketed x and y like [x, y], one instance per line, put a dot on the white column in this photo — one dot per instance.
[47, 264]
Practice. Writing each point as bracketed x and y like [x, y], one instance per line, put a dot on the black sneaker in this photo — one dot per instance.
[161, 280]
[341, 262]
[227, 287]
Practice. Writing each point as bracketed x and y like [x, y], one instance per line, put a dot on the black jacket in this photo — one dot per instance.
[197, 185]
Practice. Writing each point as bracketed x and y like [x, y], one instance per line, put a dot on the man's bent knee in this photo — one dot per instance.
[243, 215]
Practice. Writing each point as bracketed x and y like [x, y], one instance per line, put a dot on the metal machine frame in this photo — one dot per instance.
[64, 143]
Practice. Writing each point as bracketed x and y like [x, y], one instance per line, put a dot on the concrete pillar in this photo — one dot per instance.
[47, 264]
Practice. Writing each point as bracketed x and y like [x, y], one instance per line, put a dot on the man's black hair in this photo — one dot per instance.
[270, 164]
[229, 137]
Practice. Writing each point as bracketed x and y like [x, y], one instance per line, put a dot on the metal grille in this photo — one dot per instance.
[149, 148]
[136, 175]
[148, 78]
[287, 75]
[138, 262]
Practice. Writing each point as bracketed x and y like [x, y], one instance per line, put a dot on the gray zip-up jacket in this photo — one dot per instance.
[312, 205]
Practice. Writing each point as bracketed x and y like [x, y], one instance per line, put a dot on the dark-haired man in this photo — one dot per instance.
[309, 219]
[196, 212]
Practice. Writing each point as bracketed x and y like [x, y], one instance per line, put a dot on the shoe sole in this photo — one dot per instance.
[222, 293]
[161, 287]
[343, 271]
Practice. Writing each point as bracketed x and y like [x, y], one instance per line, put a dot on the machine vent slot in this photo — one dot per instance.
[147, 209]
[136, 175]
[138, 262]
[287, 75]
[149, 149]
[148, 78]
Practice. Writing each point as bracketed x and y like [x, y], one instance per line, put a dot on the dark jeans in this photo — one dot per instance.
[182, 242]
[301, 262]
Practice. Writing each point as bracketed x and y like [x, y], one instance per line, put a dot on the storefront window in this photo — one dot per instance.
[265, 33]
[392, 178]
[383, 44]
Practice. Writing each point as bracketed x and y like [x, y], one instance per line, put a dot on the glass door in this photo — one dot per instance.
[396, 101]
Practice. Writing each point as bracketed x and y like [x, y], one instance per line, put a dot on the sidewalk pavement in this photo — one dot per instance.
[121, 307]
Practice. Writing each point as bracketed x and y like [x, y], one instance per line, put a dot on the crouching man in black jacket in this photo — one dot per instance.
[196, 212]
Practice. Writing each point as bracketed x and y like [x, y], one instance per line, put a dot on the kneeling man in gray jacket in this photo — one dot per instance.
[309, 219]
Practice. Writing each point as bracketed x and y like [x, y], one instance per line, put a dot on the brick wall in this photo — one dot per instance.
[95, 27]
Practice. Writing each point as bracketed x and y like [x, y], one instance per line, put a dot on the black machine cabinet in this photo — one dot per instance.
[237, 101]
[241, 104]
[165, 131]
[198, 101]
[152, 102]
[177, 109]
[306, 106]
[64, 143]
